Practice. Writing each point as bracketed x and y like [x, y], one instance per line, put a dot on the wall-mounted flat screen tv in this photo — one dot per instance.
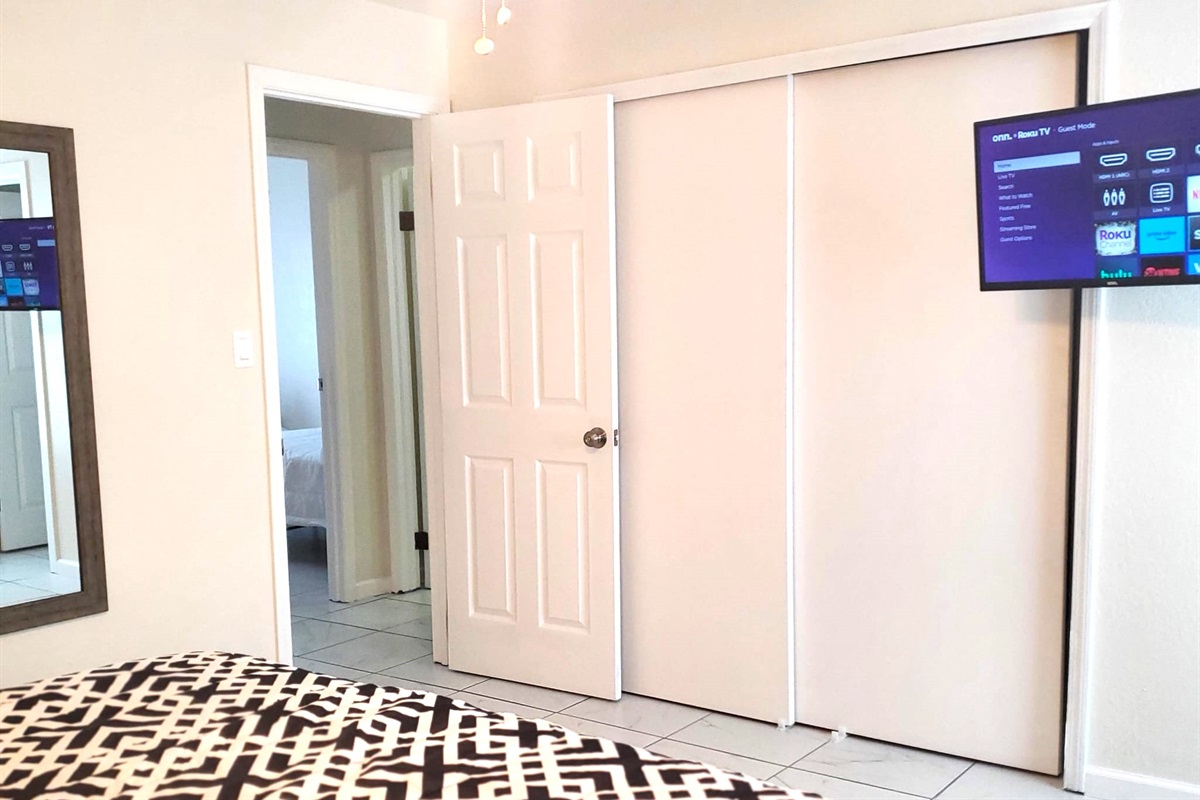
[28, 265]
[1102, 195]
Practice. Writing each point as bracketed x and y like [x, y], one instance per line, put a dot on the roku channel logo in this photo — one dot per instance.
[1116, 238]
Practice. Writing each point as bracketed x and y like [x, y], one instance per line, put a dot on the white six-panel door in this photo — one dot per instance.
[22, 495]
[523, 231]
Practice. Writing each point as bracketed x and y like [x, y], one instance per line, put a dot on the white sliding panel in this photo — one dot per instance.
[933, 433]
[702, 232]
[523, 229]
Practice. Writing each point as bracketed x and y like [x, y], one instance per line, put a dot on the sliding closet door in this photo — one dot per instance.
[702, 269]
[933, 433]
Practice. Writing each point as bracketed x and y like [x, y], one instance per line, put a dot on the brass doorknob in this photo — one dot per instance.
[595, 438]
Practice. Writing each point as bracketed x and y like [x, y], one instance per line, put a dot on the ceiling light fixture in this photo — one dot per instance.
[484, 45]
[504, 13]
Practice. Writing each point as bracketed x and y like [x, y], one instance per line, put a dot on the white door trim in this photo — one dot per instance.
[42, 390]
[1082, 610]
[1097, 19]
[264, 82]
[431, 383]
[396, 346]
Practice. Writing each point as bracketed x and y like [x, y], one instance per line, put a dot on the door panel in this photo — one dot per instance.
[933, 436]
[703, 223]
[523, 234]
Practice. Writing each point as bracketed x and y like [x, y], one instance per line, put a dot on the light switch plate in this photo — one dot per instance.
[243, 349]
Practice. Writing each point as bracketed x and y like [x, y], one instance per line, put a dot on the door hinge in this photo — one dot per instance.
[408, 221]
[320, 384]
[616, 437]
[422, 540]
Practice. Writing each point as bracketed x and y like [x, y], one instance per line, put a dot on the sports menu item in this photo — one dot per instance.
[1104, 195]
[28, 264]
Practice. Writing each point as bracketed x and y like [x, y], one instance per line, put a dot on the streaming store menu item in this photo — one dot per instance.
[28, 264]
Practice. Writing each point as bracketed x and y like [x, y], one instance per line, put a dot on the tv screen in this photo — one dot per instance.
[28, 265]
[1103, 195]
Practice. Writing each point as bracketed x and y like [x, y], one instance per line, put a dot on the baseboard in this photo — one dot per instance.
[1113, 784]
[372, 587]
[67, 567]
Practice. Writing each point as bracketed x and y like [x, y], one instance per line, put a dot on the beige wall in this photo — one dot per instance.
[1146, 680]
[1146, 699]
[156, 93]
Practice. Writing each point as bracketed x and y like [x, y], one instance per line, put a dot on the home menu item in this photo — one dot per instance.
[1104, 195]
[28, 265]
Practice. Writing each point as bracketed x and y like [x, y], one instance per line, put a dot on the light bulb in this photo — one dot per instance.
[504, 13]
[484, 45]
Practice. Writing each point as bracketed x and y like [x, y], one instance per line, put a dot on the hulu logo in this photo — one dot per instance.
[1109, 274]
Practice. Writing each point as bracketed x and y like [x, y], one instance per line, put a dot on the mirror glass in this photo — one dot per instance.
[39, 550]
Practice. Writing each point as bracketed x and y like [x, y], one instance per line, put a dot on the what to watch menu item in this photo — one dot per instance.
[28, 265]
[1103, 195]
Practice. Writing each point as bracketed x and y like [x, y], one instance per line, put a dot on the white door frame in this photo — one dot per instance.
[322, 186]
[1094, 18]
[264, 82]
[396, 346]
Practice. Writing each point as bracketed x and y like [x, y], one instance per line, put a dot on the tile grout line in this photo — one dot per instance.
[707, 714]
[956, 777]
[759, 759]
[516, 702]
[308, 654]
[583, 700]
[690, 724]
[806, 755]
[858, 783]
[362, 628]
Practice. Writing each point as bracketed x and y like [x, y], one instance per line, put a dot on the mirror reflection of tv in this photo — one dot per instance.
[28, 265]
[1100, 195]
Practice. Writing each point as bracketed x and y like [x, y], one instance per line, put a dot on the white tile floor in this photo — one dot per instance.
[382, 641]
[25, 575]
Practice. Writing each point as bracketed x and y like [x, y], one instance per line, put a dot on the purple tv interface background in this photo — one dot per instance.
[28, 265]
[1097, 196]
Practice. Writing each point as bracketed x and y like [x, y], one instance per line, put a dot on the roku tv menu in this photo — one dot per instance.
[1102, 195]
[28, 265]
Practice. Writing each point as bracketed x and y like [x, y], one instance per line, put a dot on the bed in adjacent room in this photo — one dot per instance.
[304, 478]
[216, 725]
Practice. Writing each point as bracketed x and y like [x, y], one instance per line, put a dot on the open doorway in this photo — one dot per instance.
[340, 210]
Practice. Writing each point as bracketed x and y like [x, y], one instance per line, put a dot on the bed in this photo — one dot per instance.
[219, 725]
[304, 478]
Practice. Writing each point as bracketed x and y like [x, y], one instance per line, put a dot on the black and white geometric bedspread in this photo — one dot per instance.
[222, 726]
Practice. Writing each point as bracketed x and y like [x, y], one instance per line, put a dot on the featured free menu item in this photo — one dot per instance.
[1105, 195]
[28, 264]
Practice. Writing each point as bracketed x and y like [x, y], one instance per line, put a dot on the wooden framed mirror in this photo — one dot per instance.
[51, 543]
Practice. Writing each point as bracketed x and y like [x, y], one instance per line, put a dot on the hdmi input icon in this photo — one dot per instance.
[1114, 159]
[1160, 154]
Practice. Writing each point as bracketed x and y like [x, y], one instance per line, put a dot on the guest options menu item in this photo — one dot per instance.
[1104, 195]
[28, 264]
